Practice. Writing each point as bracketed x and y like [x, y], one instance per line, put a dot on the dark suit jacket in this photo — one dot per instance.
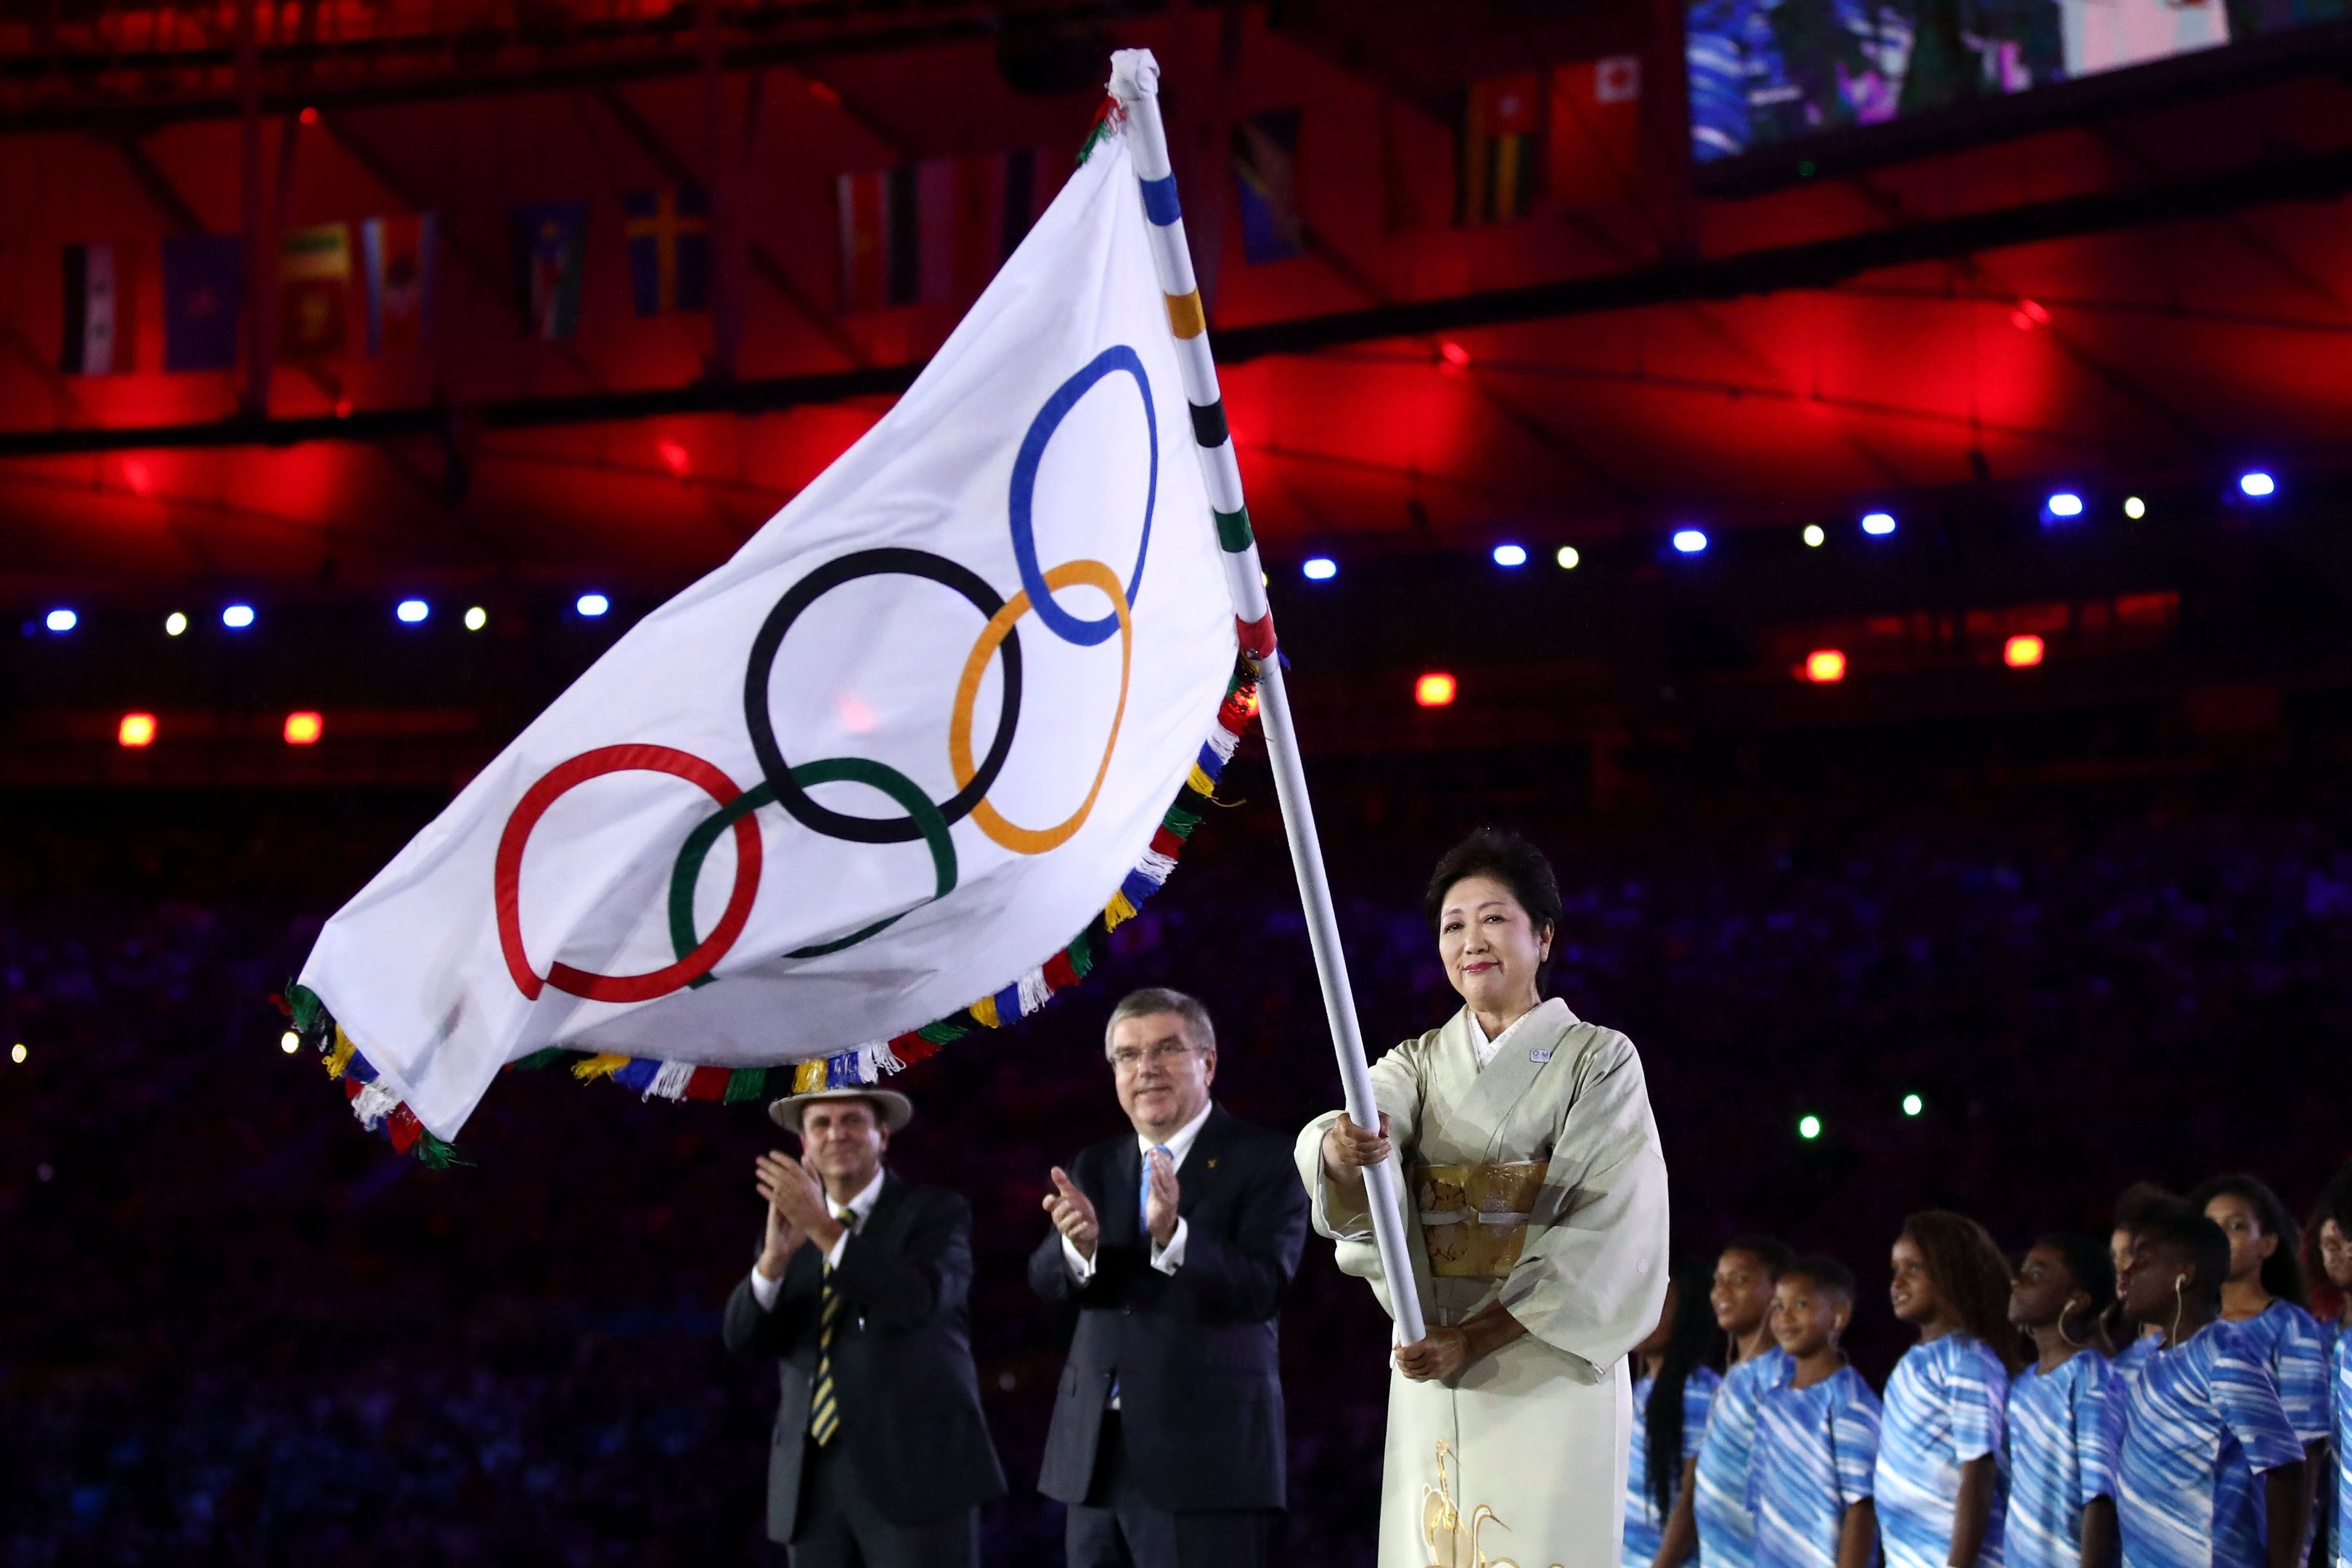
[902, 1371]
[1196, 1355]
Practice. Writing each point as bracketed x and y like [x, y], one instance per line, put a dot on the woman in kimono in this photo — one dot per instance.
[1537, 1219]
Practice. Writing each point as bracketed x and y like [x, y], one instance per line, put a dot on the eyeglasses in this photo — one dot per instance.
[1127, 1058]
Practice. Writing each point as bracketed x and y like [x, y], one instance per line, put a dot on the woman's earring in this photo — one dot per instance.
[2180, 1286]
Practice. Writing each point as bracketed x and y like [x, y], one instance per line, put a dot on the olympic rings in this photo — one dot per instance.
[824, 579]
[687, 870]
[986, 817]
[1060, 622]
[695, 960]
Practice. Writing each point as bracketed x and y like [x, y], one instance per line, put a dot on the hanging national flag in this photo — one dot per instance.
[97, 340]
[551, 247]
[936, 230]
[669, 249]
[1266, 151]
[202, 289]
[883, 779]
[1497, 144]
[396, 255]
[314, 285]
[1595, 141]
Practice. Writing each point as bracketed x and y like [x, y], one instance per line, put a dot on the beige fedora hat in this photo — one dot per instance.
[896, 1109]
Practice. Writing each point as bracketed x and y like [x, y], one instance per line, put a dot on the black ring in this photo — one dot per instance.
[764, 648]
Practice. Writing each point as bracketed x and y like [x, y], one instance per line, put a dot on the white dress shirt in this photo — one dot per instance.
[860, 1207]
[1168, 1259]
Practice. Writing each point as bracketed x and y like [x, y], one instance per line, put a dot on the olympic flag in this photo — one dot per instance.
[872, 774]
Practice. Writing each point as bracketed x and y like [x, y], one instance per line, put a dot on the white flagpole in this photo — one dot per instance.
[1135, 82]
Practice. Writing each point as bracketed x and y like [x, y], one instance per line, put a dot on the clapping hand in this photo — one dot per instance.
[1073, 1214]
[782, 1238]
[1159, 1198]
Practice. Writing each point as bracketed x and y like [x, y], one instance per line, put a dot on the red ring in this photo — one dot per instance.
[506, 878]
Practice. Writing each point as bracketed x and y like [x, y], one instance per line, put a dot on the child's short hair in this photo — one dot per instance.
[2183, 1229]
[1771, 1251]
[2087, 1263]
[1826, 1275]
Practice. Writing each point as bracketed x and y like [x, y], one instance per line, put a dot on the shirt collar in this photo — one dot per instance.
[861, 1207]
[1179, 1143]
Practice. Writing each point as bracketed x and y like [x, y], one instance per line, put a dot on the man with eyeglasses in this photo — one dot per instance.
[1175, 1245]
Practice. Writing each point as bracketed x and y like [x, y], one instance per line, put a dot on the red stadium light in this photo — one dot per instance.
[304, 729]
[343, 408]
[674, 457]
[137, 729]
[1434, 691]
[137, 475]
[310, 115]
[2022, 652]
[1824, 667]
[1456, 354]
[823, 92]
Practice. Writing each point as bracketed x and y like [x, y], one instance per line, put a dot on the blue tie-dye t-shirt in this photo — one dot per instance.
[1815, 1451]
[2287, 1341]
[2339, 1365]
[1726, 1519]
[2203, 1421]
[1944, 1408]
[2064, 1427]
[2133, 1356]
[1644, 1526]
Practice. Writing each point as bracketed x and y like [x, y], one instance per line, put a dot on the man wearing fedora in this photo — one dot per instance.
[881, 1456]
[1175, 1242]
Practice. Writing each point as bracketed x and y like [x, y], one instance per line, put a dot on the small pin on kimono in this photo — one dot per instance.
[1539, 1054]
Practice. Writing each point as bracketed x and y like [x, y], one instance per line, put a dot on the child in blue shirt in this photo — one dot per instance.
[2332, 1220]
[1938, 1487]
[1670, 1406]
[1745, 1277]
[1809, 1474]
[2132, 1347]
[2210, 1475]
[2065, 1412]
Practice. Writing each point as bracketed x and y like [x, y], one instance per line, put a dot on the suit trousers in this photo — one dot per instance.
[1118, 1527]
[839, 1526]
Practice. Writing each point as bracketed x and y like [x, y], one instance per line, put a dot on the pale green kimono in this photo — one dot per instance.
[1522, 1455]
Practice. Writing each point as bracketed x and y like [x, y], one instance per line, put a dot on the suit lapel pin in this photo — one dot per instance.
[1212, 1164]
[1541, 1056]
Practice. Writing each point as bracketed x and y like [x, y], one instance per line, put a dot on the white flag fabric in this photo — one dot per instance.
[881, 765]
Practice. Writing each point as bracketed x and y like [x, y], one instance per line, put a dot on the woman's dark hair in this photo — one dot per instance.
[1826, 1275]
[1771, 1251]
[1972, 1275]
[1688, 1339]
[1510, 859]
[2283, 1270]
[2092, 1270]
[2133, 1204]
[2187, 1234]
[2335, 1203]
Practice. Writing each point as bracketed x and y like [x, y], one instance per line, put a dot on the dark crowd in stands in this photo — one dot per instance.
[235, 1329]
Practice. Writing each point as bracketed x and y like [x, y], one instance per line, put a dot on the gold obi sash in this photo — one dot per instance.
[1474, 1218]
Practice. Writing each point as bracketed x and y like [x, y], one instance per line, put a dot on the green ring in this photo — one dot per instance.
[687, 870]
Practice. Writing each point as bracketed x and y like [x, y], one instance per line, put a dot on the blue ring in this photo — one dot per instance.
[1070, 629]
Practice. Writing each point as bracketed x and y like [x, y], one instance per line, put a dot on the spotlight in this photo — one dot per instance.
[477, 619]
[136, 730]
[1568, 558]
[289, 1042]
[1825, 665]
[175, 624]
[304, 729]
[1809, 1127]
[592, 604]
[237, 617]
[2257, 484]
[61, 620]
[1510, 555]
[2135, 508]
[674, 457]
[1689, 541]
[1433, 691]
[17, 1053]
[1456, 354]
[310, 115]
[412, 611]
[1815, 535]
[2065, 503]
[1880, 523]
[1320, 568]
[2022, 652]
[136, 475]
[1913, 1105]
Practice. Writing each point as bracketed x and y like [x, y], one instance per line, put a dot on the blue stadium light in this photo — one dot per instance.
[61, 620]
[237, 617]
[2065, 503]
[1689, 541]
[1879, 523]
[592, 604]
[412, 611]
[1320, 568]
[2257, 484]
[1510, 555]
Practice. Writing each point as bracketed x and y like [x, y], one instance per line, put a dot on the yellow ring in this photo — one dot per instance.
[1035, 840]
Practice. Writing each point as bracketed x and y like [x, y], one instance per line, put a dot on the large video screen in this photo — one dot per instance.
[1766, 72]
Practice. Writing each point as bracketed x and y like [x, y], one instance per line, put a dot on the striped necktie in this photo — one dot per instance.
[824, 1411]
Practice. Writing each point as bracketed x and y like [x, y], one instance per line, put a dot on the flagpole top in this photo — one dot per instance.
[1134, 75]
